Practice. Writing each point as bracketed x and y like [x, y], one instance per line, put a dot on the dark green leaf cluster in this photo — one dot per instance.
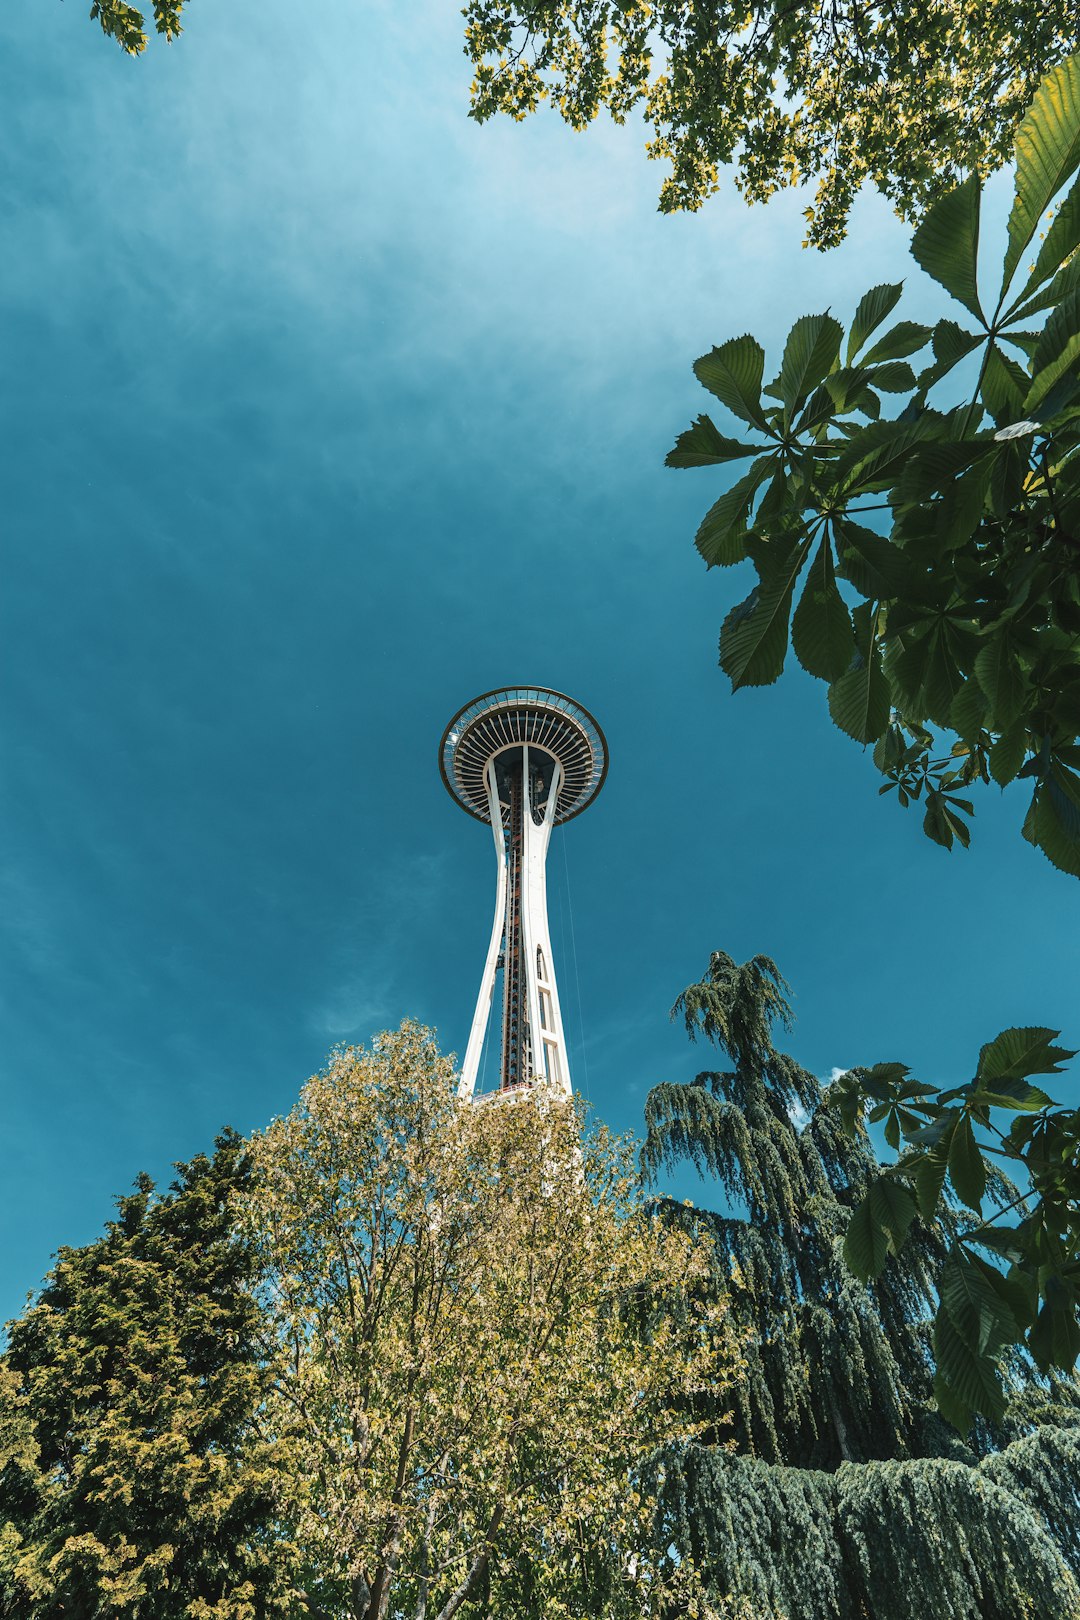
[846, 1494]
[907, 96]
[133, 1481]
[1024, 1288]
[962, 623]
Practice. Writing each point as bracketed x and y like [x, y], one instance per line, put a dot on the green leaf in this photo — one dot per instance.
[952, 344]
[874, 566]
[859, 701]
[1057, 352]
[974, 1325]
[703, 446]
[1007, 754]
[967, 1170]
[929, 1182]
[946, 244]
[733, 372]
[821, 629]
[1062, 238]
[942, 823]
[1055, 819]
[942, 677]
[951, 1407]
[1066, 281]
[1004, 386]
[873, 308]
[878, 452]
[812, 346]
[968, 713]
[998, 672]
[721, 534]
[1017, 1053]
[900, 341]
[893, 377]
[754, 636]
[1018, 1095]
[1047, 152]
[878, 1226]
[1054, 1341]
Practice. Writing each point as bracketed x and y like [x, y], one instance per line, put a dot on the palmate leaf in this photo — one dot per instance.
[702, 445]
[900, 341]
[1066, 281]
[1062, 235]
[812, 346]
[942, 677]
[972, 1327]
[1004, 386]
[876, 454]
[873, 308]
[1007, 754]
[1017, 1053]
[821, 631]
[967, 1171]
[721, 536]
[968, 713]
[998, 672]
[1053, 822]
[733, 372]
[946, 244]
[859, 701]
[878, 1226]
[1047, 153]
[929, 1180]
[874, 566]
[1057, 352]
[1055, 1339]
[754, 636]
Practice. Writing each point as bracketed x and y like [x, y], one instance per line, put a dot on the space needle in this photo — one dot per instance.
[523, 759]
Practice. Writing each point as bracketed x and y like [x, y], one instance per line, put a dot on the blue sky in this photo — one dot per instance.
[325, 410]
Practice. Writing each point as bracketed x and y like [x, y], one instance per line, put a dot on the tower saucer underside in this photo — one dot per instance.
[548, 722]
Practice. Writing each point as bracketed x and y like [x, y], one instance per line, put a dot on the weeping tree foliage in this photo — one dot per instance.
[846, 1494]
[951, 643]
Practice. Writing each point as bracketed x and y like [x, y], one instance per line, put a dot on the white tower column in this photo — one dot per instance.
[522, 759]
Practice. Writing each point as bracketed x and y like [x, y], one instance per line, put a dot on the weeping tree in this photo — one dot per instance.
[845, 1492]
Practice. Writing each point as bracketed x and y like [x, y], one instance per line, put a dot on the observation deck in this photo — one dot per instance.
[500, 722]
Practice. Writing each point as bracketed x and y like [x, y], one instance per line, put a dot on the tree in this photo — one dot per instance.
[846, 1496]
[985, 1307]
[477, 1350]
[132, 1481]
[908, 96]
[952, 644]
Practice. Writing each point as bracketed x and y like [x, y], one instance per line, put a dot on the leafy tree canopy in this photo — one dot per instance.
[480, 1336]
[833, 1489]
[952, 643]
[127, 24]
[908, 96]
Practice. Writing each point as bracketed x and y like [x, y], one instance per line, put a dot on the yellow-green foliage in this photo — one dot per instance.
[909, 96]
[476, 1351]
